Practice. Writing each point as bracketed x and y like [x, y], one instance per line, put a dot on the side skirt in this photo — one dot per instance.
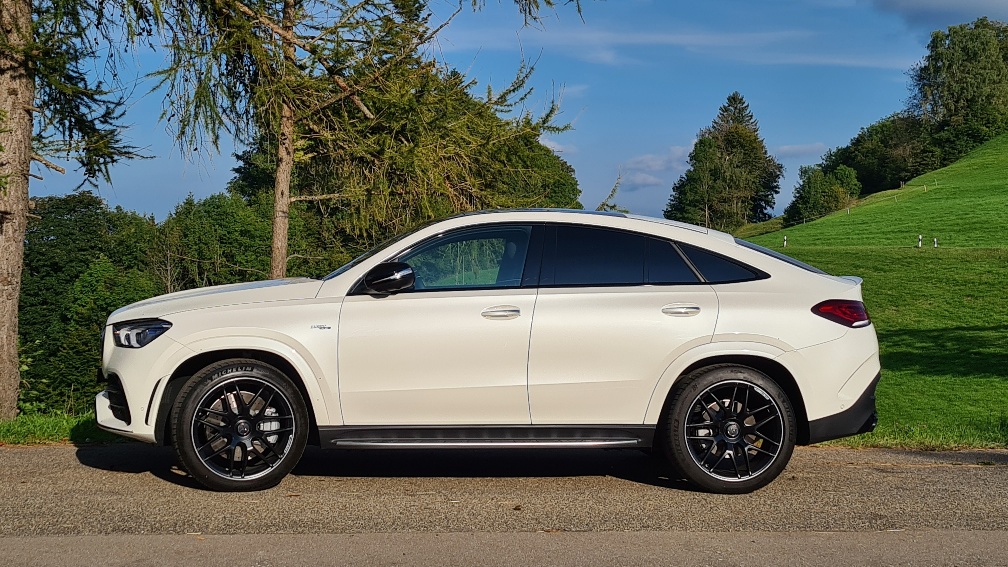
[479, 437]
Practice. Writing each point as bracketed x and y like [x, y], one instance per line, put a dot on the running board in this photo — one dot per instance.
[490, 437]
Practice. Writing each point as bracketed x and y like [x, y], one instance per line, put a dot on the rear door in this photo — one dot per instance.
[615, 308]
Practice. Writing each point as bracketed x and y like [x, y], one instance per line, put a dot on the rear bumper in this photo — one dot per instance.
[859, 418]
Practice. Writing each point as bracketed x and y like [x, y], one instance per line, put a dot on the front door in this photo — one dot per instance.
[452, 351]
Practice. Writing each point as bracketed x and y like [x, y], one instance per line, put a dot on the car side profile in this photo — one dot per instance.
[534, 328]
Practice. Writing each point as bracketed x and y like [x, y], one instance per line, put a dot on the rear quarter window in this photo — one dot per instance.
[716, 268]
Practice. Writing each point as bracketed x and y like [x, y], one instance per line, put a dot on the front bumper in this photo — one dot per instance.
[859, 418]
[108, 421]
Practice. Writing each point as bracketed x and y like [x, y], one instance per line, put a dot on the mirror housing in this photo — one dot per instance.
[388, 278]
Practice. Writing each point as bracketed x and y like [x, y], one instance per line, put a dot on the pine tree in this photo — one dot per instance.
[732, 179]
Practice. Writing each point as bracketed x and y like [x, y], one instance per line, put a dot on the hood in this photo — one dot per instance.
[219, 296]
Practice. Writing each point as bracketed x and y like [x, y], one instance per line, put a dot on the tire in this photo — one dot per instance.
[731, 429]
[239, 425]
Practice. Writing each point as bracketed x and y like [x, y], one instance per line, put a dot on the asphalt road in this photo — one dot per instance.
[129, 504]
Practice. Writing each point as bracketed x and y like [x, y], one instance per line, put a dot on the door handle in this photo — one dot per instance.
[501, 312]
[681, 310]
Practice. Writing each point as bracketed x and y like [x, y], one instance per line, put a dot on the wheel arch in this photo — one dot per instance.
[773, 369]
[192, 365]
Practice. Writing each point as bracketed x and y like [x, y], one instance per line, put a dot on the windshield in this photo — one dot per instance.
[378, 248]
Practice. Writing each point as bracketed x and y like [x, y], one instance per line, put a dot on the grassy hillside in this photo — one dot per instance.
[941, 313]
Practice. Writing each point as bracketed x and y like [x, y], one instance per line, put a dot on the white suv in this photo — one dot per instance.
[505, 329]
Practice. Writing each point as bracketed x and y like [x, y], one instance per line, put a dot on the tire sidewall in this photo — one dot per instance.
[684, 396]
[211, 377]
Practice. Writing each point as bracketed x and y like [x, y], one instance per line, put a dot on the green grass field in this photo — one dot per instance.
[941, 313]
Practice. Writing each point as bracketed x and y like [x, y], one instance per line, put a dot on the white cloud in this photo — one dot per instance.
[635, 181]
[573, 91]
[939, 14]
[602, 46]
[557, 146]
[675, 160]
[816, 149]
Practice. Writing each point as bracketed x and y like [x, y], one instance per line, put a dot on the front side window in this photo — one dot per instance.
[492, 257]
[598, 257]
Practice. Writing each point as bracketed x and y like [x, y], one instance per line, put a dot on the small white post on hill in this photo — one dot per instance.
[785, 242]
[936, 242]
[920, 240]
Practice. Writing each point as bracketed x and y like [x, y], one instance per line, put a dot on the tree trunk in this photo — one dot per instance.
[285, 159]
[281, 193]
[17, 94]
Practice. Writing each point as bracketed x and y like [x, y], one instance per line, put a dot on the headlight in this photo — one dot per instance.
[136, 334]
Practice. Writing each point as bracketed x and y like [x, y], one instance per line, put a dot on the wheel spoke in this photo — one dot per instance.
[203, 447]
[734, 461]
[711, 451]
[756, 411]
[767, 439]
[765, 421]
[244, 458]
[731, 403]
[215, 412]
[721, 408]
[759, 450]
[251, 403]
[218, 428]
[240, 404]
[262, 457]
[216, 453]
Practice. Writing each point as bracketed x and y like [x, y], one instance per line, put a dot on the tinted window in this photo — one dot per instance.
[666, 266]
[594, 256]
[481, 258]
[715, 268]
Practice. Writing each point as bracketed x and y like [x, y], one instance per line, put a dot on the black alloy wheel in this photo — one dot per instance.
[731, 429]
[239, 425]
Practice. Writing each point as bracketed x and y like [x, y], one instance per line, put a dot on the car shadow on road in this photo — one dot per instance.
[136, 458]
[630, 465]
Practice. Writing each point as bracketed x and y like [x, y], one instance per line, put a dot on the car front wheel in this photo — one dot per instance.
[731, 429]
[239, 425]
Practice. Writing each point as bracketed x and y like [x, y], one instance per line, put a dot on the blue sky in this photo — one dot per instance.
[637, 79]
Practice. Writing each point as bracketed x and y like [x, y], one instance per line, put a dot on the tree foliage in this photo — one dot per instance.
[820, 192]
[732, 179]
[960, 89]
[82, 261]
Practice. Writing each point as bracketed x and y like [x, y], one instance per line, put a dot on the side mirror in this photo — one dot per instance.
[389, 277]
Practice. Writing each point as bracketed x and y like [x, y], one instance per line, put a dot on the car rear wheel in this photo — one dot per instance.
[731, 429]
[239, 425]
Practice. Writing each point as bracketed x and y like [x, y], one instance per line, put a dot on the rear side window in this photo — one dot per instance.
[716, 268]
[665, 266]
[597, 257]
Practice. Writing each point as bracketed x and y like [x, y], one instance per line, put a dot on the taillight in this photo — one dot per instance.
[844, 311]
